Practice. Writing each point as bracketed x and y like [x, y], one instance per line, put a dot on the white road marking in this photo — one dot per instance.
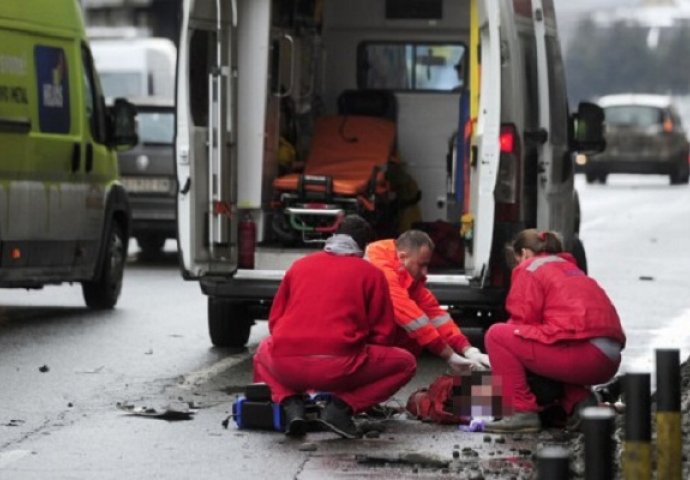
[675, 334]
[12, 456]
[197, 378]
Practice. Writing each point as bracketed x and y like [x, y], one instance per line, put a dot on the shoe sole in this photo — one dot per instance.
[337, 430]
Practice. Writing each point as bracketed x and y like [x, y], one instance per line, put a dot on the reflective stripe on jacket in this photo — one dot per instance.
[551, 299]
[416, 309]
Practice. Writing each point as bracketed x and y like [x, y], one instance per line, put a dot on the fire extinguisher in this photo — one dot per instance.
[247, 241]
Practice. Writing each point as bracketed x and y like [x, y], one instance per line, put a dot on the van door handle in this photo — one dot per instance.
[89, 157]
[76, 157]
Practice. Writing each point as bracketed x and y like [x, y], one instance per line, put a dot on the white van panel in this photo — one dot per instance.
[426, 122]
[253, 54]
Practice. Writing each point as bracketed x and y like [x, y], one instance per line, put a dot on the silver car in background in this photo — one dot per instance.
[644, 134]
[148, 174]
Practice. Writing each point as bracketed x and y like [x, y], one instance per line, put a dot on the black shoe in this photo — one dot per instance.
[337, 417]
[574, 423]
[295, 423]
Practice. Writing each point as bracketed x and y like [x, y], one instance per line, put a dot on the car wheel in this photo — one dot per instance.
[103, 292]
[150, 245]
[590, 177]
[229, 323]
[578, 251]
[602, 177]
[681, 174]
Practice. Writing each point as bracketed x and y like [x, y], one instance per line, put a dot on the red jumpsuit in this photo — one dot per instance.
[331, 327]
[562, 326]
[422, 321]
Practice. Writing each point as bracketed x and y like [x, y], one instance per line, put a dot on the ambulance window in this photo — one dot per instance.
[94, 102]
[411, 66]
[201, 58]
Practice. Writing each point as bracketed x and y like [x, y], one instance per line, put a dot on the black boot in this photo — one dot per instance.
[295, 424]
[337, 417]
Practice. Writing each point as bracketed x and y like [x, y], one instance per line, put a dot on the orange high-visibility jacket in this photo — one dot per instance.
[416, 309]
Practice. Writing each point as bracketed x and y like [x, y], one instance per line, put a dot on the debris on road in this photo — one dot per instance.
[95, 370]
[405, 458]
[15, 422]
[172, 412]
[646, 278]
[44, 368]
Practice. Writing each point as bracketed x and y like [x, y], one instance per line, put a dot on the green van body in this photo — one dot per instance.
[64, 217]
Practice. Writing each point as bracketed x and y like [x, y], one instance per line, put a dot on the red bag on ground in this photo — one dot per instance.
[439, 403]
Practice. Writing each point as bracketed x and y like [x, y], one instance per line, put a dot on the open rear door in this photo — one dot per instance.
[545, 150]
[486, 137]
[204, 145]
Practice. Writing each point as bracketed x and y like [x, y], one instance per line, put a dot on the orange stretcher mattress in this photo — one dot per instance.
[345, 148]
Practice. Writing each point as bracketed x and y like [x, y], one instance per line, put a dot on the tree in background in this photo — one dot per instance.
[616, 59]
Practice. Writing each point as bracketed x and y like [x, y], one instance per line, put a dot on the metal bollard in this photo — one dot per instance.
[552, 463]
[598, 426]
[637, 450]
[668, 417]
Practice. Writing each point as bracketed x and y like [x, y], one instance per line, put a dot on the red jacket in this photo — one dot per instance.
[330, 305]
[416, 309]
[551, 299]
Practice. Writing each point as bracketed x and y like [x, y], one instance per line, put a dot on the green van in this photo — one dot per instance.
[64, 216]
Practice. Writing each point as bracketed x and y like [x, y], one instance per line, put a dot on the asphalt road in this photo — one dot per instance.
[153, 350]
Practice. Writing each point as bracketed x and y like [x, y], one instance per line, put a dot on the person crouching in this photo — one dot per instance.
[562, 326]
[332, 328]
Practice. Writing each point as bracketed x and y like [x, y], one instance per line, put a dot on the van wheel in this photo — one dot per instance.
[578, 251]
[229, 323]
[103, 292]
[150, 245]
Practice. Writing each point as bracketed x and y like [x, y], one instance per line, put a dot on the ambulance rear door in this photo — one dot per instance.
[205, 143]
[485, 156]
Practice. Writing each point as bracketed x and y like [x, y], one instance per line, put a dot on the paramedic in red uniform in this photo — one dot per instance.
[332, 328]
[562, 326]
[421, 320]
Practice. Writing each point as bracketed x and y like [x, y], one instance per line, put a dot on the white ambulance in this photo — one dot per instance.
[253, 73]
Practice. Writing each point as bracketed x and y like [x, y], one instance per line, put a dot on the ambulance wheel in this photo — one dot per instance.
[103, 292]
[229, 323]
[578, 252]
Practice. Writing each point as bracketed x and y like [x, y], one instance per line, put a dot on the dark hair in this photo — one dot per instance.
[537, 241]
[358, 228]
[413, 240]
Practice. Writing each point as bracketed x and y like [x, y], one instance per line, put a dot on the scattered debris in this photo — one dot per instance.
[646, 278]
[372, 434]
[44, 368]
[95, 370]
[15, 422]
[70, 405]
[308, 447]
[178, 411]
[149, 352]
[409, 458]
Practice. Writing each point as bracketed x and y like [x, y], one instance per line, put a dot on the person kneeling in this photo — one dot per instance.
[562, 326]
[332, 330]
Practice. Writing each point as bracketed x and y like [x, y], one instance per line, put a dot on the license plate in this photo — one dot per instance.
[146, 184]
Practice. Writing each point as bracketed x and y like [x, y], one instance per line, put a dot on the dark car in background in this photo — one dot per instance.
[148, 174]
[644, 134]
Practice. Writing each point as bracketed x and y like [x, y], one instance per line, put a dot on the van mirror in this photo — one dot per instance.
[122, 131]
[588, 129]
